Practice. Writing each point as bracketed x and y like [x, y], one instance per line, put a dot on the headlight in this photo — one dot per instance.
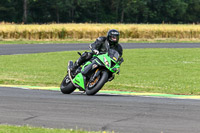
[106, 62]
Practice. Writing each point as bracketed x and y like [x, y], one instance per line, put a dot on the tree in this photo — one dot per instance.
[25, 12]
[88, 10]
[170, 11]
[101, 11]
[136, 11]
[192, 12]
[7, 10]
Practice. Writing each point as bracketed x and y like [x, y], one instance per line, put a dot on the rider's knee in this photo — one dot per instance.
[86, 56]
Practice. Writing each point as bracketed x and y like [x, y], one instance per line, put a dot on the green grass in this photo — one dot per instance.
[28, 129]
[173, 71]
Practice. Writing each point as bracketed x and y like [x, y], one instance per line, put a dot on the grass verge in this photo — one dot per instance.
[28, 129]
[172, 71]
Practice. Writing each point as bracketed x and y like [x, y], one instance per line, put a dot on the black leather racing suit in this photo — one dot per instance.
[101, 44]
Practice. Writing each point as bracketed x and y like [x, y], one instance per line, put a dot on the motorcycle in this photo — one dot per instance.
[93, 74]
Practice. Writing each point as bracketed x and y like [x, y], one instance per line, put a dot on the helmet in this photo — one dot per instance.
[113, 37]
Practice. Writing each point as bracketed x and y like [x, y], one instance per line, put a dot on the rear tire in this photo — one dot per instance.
[103, 79]
[67, 87]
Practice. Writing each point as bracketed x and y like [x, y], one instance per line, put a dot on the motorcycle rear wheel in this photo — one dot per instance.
[95, 87]
[66, 86]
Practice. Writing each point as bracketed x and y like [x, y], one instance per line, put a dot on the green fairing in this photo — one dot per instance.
[117, 66]
[79, 80]
[87, 63]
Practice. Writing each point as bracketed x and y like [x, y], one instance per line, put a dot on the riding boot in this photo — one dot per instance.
[84, 57]
[76, 65]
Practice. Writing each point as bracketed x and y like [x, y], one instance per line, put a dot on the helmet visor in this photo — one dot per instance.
[114, 38]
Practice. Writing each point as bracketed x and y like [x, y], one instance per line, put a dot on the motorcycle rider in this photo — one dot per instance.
[100, 45]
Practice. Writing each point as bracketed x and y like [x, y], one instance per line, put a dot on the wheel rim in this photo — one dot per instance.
[92, 84]
[66, 81]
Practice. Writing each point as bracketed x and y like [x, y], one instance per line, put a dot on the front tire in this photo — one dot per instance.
[100, 83]
[66, 86]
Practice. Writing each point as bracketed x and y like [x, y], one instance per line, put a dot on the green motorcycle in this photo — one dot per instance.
[93, 74]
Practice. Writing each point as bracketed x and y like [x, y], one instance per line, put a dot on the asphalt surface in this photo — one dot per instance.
[124, 114]
[38, 48]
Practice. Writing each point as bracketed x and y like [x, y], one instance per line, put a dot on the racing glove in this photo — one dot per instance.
[95, 51]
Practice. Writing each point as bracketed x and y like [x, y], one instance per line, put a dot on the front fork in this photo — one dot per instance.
[96, 74]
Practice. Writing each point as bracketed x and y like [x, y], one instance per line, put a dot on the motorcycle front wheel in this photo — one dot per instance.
[97, 84]
[66, 86]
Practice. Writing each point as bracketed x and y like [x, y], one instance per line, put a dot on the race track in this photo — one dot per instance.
[124, 114]
[38, 48]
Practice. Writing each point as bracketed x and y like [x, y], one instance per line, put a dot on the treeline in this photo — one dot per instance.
[100, 11]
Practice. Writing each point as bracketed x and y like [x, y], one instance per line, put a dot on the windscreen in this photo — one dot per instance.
[114, 54]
